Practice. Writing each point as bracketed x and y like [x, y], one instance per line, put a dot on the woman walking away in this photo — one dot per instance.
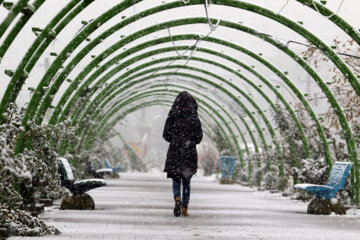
[183, 131]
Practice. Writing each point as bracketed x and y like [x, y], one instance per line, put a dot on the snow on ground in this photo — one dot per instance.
[139, 206]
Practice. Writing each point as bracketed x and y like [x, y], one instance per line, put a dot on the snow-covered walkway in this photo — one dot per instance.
[139, 206]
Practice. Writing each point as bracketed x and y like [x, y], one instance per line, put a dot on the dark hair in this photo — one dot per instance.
[184, 104]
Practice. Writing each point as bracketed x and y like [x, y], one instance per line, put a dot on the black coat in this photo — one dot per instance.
[183, 131]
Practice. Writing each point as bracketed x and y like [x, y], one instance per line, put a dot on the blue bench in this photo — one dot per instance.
[322, 203]
[114, 169]
[79, 199]
[227, 166]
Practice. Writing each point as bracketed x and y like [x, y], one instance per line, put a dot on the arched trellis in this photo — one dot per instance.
[95, 114]
[323, 86]
[133, 83]
[206, 126]
[268, 40]
[152, 53]
[105, 126]
[135, 99]
[202, 102]
[337, 21]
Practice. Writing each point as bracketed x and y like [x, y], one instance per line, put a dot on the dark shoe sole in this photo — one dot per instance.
[177, 209]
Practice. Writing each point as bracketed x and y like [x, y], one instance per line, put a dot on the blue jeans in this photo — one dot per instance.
[185, 190]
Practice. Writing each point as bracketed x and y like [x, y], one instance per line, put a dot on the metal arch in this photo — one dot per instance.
[203, 105]
[157, 51]
[11, 16]
[202, 79]
[17, 28]
[25, 119]
[36, 50]
[101, 127]
[320, 8]
[352, 155]
[229, 116]
[338, 21]
[201, 101]
[254, 32]
[240, 103]
[95, 112]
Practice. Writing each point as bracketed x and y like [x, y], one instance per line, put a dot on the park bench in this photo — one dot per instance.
[79, 199]
[227, 166]
[114, 169]
[325, 201]
[98, 173]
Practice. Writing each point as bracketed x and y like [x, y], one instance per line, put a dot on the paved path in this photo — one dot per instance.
[139, 206]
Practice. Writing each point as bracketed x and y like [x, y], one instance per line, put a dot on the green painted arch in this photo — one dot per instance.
[44, 39]
[154, 76]
[154, 52]
[203, 105]
[30, 104]
[229, 116]
[353, 152]
[94, 114]
[318, 125]
[335, 105]
[240, 103]
[100, 128]
[213, 110]
[205, 81]
[12, 15]
[248, 7]
[208, 106]
[17, 28]
[173, 93]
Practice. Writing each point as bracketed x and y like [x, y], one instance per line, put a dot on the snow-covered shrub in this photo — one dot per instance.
[242, 174]
[208, 157]
[25, 176]
[312, 171]
[255, 171]
[42, 161]
[20, 223]
[12, 169]
[270, 178]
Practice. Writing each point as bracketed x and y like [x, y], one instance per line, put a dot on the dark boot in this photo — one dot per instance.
[177, 208]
